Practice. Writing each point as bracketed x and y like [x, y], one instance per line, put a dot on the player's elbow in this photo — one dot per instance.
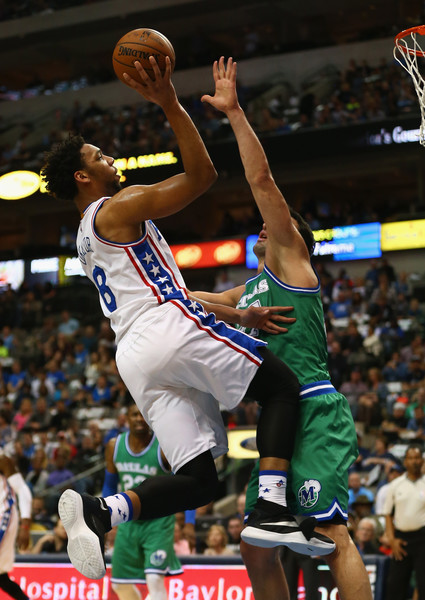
[261, 178]
[205, 177]
[210, 174]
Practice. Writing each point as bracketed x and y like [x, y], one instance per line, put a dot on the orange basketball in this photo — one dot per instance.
[139, 44]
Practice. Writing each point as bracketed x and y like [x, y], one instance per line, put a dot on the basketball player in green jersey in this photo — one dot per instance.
[143, 550]
[326, 442]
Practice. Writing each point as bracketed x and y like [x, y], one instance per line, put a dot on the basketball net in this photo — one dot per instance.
[409, 49]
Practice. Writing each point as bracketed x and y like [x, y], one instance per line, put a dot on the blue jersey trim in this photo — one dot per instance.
[326, 515]
[109, 242]
[291, 288]
[317, 388]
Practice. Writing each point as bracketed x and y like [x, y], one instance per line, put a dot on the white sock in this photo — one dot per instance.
[120, 508]
[272, 486]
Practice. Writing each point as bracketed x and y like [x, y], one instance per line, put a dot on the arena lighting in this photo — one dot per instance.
[403, 235]
[242, 443]
[209, 254]
[143, 161]
[18, 184]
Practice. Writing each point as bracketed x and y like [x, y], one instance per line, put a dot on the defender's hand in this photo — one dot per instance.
[225, 97]
[266, 318]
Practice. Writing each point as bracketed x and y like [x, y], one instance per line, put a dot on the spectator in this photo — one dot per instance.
[416, 424]
[38, 474]
[52, 542]
[234, 528]
[41, 417]
[7, 433]
[363, 453]
[353, 389]
[365, 537]
[405, 527]
[16, 380]
[356, 489]
[373, 345]
[362, 507]
[395, 424]
[378, 459]
[216, 540]
[41, 519]
[337, 364]
[181, 544]
[62, 416]
[68, 325]
[24, 414]
[101, 392]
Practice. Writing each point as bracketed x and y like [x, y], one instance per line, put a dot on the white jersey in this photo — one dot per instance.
[133, 278]
[7, 496]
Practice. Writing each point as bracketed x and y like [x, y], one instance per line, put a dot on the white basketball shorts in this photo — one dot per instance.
[178, 367]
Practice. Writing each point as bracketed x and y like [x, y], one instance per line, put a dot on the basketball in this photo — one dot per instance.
[140, 44]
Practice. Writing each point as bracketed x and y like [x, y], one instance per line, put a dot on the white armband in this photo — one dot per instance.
[23, 492]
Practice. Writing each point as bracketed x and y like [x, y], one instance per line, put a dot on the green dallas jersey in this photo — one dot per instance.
[326, 443]
[304, 347]
[142, 546]
[134, 468]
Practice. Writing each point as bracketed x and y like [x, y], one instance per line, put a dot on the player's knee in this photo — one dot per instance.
[126, 591]
[259, 559]
[156, 586]
[206, 491]
[339, 534]
[274, 381]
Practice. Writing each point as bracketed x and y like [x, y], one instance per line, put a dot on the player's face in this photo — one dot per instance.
[100, 168]
[260, 245]
[259, 248]
[136, 422]
[413, 461]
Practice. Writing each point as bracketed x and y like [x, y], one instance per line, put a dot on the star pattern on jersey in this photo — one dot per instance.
[148, 258]
[167, 290]
[194, 305]
[162, 279]
[155, 270]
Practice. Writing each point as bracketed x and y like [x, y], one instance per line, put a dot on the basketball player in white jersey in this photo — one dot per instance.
[15, 524]
[176, 360]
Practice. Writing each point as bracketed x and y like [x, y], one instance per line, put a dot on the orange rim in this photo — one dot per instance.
[418, 29]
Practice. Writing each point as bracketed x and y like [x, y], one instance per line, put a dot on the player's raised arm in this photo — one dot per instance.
[270, 201]
[138, 203]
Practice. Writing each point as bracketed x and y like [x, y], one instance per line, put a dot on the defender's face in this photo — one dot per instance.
[260, 245]
[100, 168]
[136, 422]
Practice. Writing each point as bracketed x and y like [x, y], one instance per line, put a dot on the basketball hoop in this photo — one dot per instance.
[407, 50]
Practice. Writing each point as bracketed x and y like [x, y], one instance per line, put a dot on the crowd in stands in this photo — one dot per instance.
[361, 93]
[61, 397]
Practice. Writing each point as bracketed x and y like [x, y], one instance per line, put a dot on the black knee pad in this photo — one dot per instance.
[274, 381]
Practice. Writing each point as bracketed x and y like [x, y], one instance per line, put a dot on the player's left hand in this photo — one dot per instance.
[158, 90]
[225, 97]
[267, 318]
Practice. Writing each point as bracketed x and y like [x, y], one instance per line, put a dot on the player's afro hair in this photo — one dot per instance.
[305, 230]
[60, 164]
